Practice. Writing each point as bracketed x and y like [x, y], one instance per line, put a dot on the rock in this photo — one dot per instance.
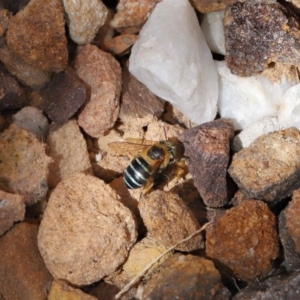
[289, 232]
[5, 16]
[61, 290]
[213, 31]
[254, 131]
[33, 120]
[132, 13]
[120, 45]
[245, 240]
[26, 74]
[63, 96]
[15, 6]
[275, 288]
[86, 233]
[84, 19]
[67, 147]
[247, 100]
[103, 290]
[186, 277]
[168, 70]
[169, 220]
[137, 100]
[269, 169]
[12, 209]
[257, 34]
[22, 270]
[207, 147]
[207, 6]
[102, 72]
[45, 49]
[23, 164]
[11, 94]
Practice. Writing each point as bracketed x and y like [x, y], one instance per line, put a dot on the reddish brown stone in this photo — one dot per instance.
[257, 34]
[245, 240]
[37, 35]
[186, 277]
[22, 270]
[207, 147]
[206, 6]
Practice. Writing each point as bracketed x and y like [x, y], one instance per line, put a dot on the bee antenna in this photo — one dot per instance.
[165, 132]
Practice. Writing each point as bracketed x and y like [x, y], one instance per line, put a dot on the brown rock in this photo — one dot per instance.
[86, 233]
[63, 96]
[137, 100]
[244, 240]
[186, 277]
[120, 45]
[11, 94]
[12, 209]
[269, 169]
[22, 270]
[102, 73]
[206, 6]
[289, 231]
[67, 147]
[169, 220]
[257, 34]
[61, 290]
[37, 35]
[132, 13]
[27, 74]
[5, 16]
[23, 164]
[207, 147]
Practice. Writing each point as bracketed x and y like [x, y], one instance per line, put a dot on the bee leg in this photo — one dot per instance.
[148, 187]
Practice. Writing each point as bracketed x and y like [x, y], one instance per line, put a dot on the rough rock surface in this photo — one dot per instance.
[46, 48]
[245, 240]
[120, 45]
[289, 232]
[269, 169]
[102, 73]
[206, 6]
[207, 147]
[257, 34]
[12, 209]
[186, 277]
[169, 220]
[63, 96]
[23, 164]
[84, 19]
[33, 120]
[26, 74]
[86, 233]
[275, 288]
[61, 290]
[132, 13]
[68, 149]
[22, 271]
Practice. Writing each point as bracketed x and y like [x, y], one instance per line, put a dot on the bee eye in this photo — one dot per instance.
[156, 152]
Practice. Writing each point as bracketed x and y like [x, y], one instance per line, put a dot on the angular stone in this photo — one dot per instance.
[207, 6]
[186, 277]
[37, 35]
[245, 240]
[26, 74]
[63, 96]
[207, 147]
[22, 271]
[75, 237]
[68, 149]
[23, 164]
[83, 26]
[12, 209]
[269, 169]
[164, 65]
[120, 45]
[137, 100]
[169, 220]
[257, 34]
[102, 73]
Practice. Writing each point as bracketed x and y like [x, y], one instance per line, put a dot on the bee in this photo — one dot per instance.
[152, 157]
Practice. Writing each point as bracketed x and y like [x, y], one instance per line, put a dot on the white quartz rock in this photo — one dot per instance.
[172, 59]
[248, 99]
[213, 30]
[289, 111]
[255, 130]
